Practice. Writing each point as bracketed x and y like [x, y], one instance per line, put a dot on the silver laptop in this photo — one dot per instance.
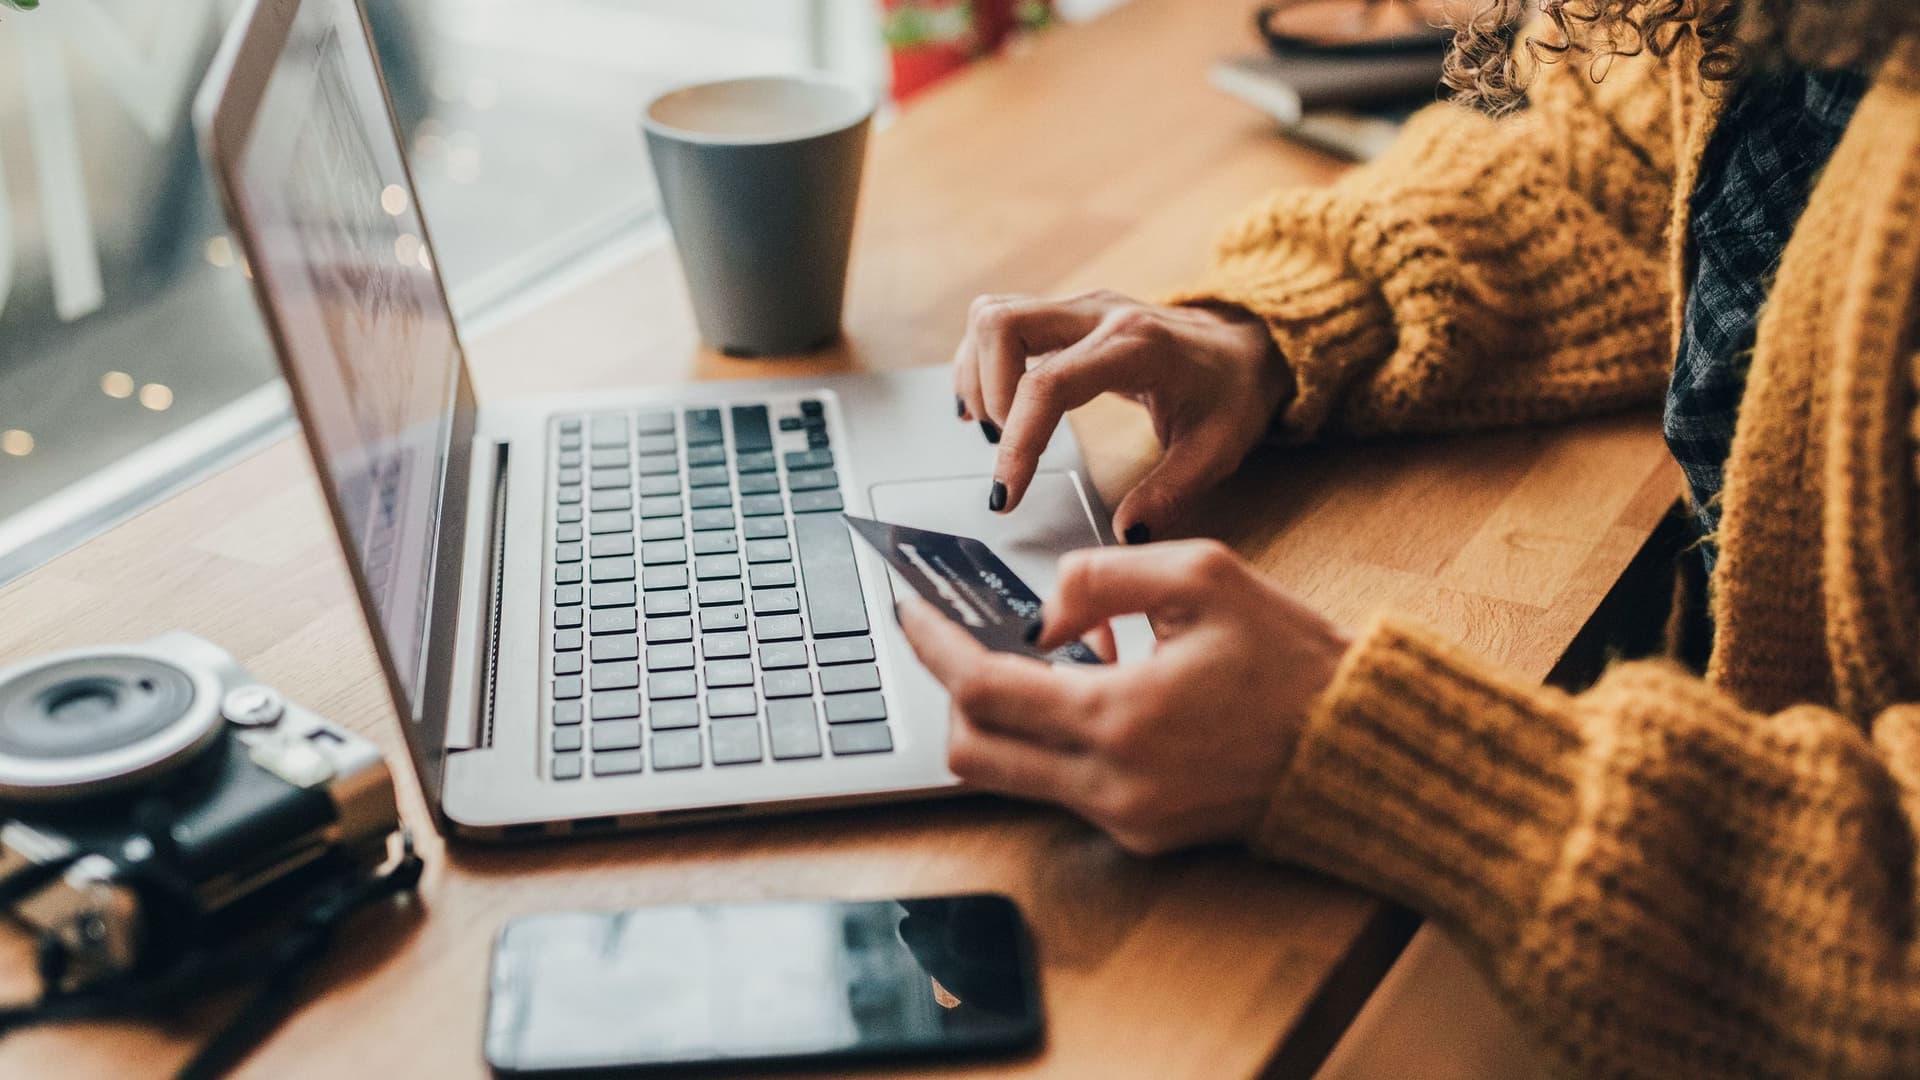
[606, 611]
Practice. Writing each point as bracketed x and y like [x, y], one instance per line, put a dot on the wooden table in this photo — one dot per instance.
[1096, 157]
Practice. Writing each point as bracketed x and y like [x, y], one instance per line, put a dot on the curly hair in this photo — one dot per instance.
[1484, 68]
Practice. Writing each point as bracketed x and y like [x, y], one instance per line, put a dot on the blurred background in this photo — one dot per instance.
[132, 359]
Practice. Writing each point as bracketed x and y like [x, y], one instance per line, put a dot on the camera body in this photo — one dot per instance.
[151, 795]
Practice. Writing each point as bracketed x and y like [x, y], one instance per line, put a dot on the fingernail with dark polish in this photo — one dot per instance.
[959, 407]
[991, 430]
[997, 498]
[1137, 533]
[1034, 630]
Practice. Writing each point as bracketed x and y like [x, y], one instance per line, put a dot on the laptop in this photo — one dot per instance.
[604, 611]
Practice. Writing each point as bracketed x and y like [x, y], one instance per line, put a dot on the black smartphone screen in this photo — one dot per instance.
[681, 986]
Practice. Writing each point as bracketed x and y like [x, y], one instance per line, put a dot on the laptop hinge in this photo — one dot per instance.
[496, 588]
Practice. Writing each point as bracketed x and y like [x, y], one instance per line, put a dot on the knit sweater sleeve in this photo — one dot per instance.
[1484, 272]
[1659, 882]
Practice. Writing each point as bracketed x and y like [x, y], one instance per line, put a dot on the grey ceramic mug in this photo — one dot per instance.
[759, 178]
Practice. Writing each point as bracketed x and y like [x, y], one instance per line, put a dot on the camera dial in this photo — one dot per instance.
[87, 723]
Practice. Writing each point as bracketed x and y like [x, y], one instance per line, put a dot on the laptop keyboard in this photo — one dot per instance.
[705, 607]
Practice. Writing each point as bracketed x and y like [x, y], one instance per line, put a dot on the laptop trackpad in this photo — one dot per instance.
[1051, 521]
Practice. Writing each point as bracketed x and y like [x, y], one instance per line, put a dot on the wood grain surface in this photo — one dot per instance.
[1098, 156]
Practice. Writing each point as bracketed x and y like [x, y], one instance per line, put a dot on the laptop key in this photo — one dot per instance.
[716, 543]
[750, 430]
[676, 750]
[654, 423]
[568, 424]
[854, 708]
[766, 551]
[817, 438]
[615, 648]
[735, 742]
[569, 534]
[729, 673]
[706, 455]
[756, 462]
[712, 567]
[604, 479]
[853, 650]
[735, 701]
[566, 618]
[569, 477]
[608, 459]
[849, 678]
[662, 604]
[617, 735]
[705, 476]
[618, 705]
[792, 730]
[759, 483]
[567, 553]
[568, 515]
[703, 427]
[716, 620]
[662, 529]
[860, 738]
[765, 528]
[669, 631]
[605, 570]
[666, 484]
[760, 505]
[616, 676]
[659, 465]
[786, 654]
[566, 713]
[669, 657]
[616, 763]
[813, 480]
[614, 622]
[570, 459]
[798, 460]
[606, 596]
[835, 603]
[712, 520]
[565, 767]
[664, 685]
[792, 682]
[817, 502]
[616, 499]
[567, 664]
[725, 646]
[567, 688]
[610, 546]
[566, 641]
[660, 506]
[610, 430]
[656, 444]
[790, 423]
[566, 596]
[663, 577]
[674, 715]
[568, 739]
[712, 498]
[777, 627]
[811, 407]
[771, 576]
[713, 593]
[776, 602]
[664, 552]
[610, 523]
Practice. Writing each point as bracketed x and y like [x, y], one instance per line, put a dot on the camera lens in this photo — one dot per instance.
[76, 726]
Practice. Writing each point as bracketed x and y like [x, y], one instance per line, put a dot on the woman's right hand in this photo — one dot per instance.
[1210, 378]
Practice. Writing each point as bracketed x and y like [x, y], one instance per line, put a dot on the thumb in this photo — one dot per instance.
[1098, 584]
[1189, 467]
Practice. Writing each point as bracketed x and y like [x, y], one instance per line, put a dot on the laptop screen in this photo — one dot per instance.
[367, 341]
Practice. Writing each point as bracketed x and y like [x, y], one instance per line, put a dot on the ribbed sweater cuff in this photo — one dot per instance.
[1324, 322]
[1423, 776]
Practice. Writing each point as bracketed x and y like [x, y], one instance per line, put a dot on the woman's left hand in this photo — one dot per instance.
[1183, 748]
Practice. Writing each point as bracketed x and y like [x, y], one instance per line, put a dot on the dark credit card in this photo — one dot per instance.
[968, 583]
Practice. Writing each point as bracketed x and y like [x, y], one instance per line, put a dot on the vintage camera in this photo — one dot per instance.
[153, 796]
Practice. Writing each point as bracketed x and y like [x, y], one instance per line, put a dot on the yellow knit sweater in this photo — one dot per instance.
[1666, 877]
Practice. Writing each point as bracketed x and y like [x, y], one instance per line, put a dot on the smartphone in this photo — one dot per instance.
[676, 988]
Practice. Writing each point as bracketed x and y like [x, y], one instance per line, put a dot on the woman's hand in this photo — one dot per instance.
[1183, 748]
[1211, 380]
